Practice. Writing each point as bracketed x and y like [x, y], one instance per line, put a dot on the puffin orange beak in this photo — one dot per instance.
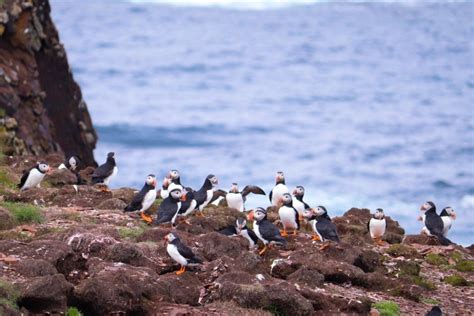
[250, 216]
[50, 170]
[154, 183]
[453, 215]
[183, 198]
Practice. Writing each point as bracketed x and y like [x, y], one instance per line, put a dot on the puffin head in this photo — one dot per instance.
[43, 167]
[170, 237]
[258, 214]
[176, 194]
[111, 155]
[286, 199]
[428, 206]
[320, 210]
[378, 213]
[308, 213]
[151, 180]
[240, 224]
[213, 179]
[166, 182]
[234, 188]
[74, 162]
[280, 177]
[173, 174]
[298, 191]
[450, 212]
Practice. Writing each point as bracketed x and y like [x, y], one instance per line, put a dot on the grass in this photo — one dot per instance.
[456, 256]
[24, 213]
[5, 180]
[430, 301]
[73, 311]
[409, 268]
[436, 259]
[131, 232]
[465, 266]
[387, 308]
[398, 250]
[9, 295]
[456, 280]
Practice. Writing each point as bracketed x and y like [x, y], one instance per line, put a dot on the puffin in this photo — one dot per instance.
[168, 209]
[236, 199]
[435, 311]
[433, 223]
[289, 216]
[448, 215]
[32, 178]
[376, 226]
[188, 203]
[265, 230]
[298, 203]
[204, 195]
[106, 171]
[144, 199]
[164, 193]
[279, 189]
[240, 229]
[322, 225]
[171, 181]
[180, 253]
[71, 163]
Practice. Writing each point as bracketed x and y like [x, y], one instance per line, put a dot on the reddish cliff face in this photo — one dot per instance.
[41, 106]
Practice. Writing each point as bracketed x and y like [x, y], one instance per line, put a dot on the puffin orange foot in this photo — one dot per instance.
[147, 218]
[261, 252]
[283, 233]
[324, 247]
[315, 238]
[295, 233]
[181, 270]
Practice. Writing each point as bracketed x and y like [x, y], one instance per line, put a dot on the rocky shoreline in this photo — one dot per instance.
[80, 250]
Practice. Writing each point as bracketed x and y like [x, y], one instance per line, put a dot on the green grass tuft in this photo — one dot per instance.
[408, 268]
[9, 294]
[398, 250]
[387, 308]
[6, 180]
[465, 266]
[456, 256]
[418, 280]
[73, 311]
[436, 259]
[131, 232]
[456, 280]
[24, 213]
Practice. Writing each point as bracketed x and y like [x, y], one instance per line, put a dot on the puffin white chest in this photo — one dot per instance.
[298, 205]
[447, 222]
[315, 230]
[278, 192]
[288, 217]
[62, 166]
[256, 229]
[34, 178]
[209, 194]
[377, 227]
[173, 186]
[114, 173]
[174, 253]
[164, 193]
[235, 200]
[148, 199]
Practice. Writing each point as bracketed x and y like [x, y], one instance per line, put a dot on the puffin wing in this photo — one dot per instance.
[270, 232]
[23, 178]
[252, 189]
[166, 211]
[252, 235]
[297, 218]
[102, 172]
[270, 195]
[186, 252]
[327, 230]
[306, 206]
[217, 194]
[435, 224]
[228, 231]
[137, 201]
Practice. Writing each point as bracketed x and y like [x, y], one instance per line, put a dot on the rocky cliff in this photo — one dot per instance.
[41, 106]
[64, 247]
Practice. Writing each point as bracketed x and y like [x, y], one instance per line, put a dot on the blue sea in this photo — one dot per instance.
[364, 104]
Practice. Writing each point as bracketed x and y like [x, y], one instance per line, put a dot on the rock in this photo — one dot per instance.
[125, 194]
[368, 261]
[7, 221]
[281, 268]
[398, 250]
[306, 277]
[183, 289]
[238, 277]
[46, 294]
[215, 245]
[421, 239]
[112, 204]
[86, 174]
[35, 268]
[61, 177]
[128, 253]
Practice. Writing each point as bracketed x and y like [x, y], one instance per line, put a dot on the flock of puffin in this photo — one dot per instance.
[180, 201]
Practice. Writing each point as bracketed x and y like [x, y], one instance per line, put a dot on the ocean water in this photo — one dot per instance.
[364, 104]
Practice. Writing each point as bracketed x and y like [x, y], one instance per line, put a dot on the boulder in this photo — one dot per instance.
[46, 294]
[61, 177]
[215, 245]
[35, 268]
[368, 261]
[182, 289]
[112, 204]
[129, 253]
[421, 239]
[282, 268]
[306, 277]
[125, 194]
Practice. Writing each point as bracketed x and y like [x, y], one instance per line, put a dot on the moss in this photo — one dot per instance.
[6, 180]
[465, 266]
[24, 213]
[418, 280]
[130, 232]
[2, 111]
[456, 280]
[8, 294]
[387, 308]
[456, 256]
[73, 311]
[398, 250]
[430, 301]
[436, 259]
[408, 268]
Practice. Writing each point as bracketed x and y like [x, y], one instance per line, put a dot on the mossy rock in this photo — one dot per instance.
[456, 256]
[8, 297]
[7, 221]
[465, 266]
[456, 280]
[24, 213]
[408, 268]
[436, 259]
[387, 308]
[428, 285]
[398, 250]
